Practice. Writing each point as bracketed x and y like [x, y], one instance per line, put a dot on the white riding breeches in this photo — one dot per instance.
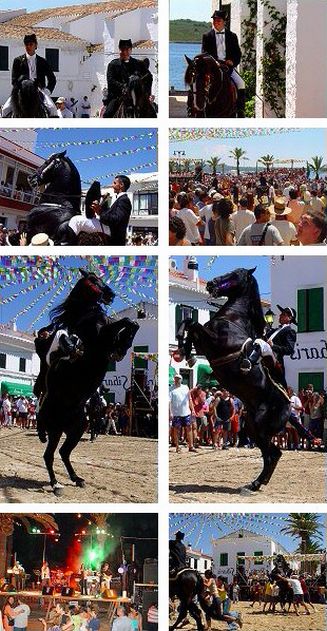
[55, 344]
[237, 79]
[48, 102]
[266, 350]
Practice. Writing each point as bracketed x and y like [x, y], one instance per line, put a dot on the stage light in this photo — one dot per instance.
[83, 532]
[92, 555]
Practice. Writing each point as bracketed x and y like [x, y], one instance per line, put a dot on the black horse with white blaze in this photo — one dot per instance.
[223, 342]
[67, 384]
[212, 92]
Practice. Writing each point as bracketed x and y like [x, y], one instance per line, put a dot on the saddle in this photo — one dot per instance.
[174, 573]
[272, 370]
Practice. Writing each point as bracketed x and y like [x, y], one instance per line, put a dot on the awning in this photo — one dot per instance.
[172, 372]
[204, 376]
[16, 389]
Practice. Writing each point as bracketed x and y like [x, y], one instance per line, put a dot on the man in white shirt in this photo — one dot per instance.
[296, 586]
[242, 218]
[261, 232]
[21, 619]
[91, 225]
[6, 408]
[62, 110]
[190, 219]
[181, 409]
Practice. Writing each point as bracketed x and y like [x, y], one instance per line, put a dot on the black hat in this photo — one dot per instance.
[30, 38]
[179, 535]
[125, 43]
[219, 14]
[290, 311]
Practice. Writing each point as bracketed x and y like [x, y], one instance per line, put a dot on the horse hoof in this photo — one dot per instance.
[42, 437]
[247, 490]
[80, 482]
[58, 489]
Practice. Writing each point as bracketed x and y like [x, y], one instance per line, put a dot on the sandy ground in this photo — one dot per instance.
[115, 469]
[208, 476]
[255, 620]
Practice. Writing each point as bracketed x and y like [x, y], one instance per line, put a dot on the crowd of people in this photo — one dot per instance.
[282, 207]
[215, 418]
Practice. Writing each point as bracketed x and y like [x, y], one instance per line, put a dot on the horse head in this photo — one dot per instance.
[48, 171]
[25, 98]
[231, 284]
[202, 75]
[94, 289]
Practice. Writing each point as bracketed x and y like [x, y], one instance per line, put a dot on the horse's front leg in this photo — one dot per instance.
[53, 442]
[181, 616]
[66, 449]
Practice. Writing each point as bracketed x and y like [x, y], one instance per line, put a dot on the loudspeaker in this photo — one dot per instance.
[47, 590]
[149, 596]
[150, 571]
[67, 591]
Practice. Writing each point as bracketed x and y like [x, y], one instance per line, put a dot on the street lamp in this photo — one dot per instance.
[269, 317]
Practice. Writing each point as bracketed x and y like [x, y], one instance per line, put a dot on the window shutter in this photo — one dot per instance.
[178, 317]
[316, 309]
[301, 310]
[195, 316]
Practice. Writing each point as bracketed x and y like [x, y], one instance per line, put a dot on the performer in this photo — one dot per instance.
[105, 579]
[83, 572]
[117, 215]
[45, 575]
[32, 66]
[118, 73]
[279, 343]
[17, 575]
[177, 553]
[223, 45]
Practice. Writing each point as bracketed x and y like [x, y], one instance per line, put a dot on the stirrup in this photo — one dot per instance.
[245, 366]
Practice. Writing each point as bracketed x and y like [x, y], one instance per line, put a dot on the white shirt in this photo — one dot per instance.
[21, 405]
[221, 45]
[78, 224]
[190, 220]
[296, 586]
[31, 62]
[242, 219]
[286, 230]
[296, 406]
[21, 619]
[206, 214]
[6, 406]
[65, 113]
[179, 401]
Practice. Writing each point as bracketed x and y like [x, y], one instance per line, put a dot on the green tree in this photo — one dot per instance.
[267, 160]
[303, 526]
[186, 165]
[317, 165]
[213, 164]
[238, 154]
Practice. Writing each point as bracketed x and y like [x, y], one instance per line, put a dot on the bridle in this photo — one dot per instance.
[207, 87]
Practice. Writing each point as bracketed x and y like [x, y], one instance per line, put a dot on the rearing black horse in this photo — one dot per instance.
[221, 341]
[212, 92]
[68, 383]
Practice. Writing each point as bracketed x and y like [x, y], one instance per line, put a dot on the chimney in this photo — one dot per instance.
[191, 269]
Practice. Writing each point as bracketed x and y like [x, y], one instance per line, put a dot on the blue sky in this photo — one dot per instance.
[41, 299]
[36, 5]
[200, 528]
[302, 144]
[209, 268]
[190, 10]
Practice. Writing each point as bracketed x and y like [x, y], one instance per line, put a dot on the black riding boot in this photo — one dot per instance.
[241, 104]
[247, 363]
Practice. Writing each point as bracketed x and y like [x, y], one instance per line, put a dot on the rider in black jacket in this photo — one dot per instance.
[177, 553]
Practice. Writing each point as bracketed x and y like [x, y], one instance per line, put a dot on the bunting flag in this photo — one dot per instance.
[152, 133]
[116, 154]
[211, 133]
[129, 170]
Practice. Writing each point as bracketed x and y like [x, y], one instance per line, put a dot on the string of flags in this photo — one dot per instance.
[116, 154]
[152, 133]
[230, 132]
[129, 170]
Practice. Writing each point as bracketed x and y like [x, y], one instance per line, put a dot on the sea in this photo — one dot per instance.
[177, 61]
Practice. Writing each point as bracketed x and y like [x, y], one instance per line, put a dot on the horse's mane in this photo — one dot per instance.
[67, 185]
[77, 303]
[256, 312]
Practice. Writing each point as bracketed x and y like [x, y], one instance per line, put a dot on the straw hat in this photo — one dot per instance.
[41, 239]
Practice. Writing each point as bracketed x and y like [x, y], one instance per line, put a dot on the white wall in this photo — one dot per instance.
[14, 348]
[232, 544]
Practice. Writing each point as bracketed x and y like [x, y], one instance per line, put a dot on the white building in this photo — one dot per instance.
[117, 380]
[227, 550]
[301, 78]
[304, 287]
[198, 560]
[16, 164]
[79, 41]
[19, 364]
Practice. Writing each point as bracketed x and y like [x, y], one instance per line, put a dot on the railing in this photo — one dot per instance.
[28, 197]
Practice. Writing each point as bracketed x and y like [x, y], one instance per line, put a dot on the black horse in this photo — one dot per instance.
[280, 572]
[67, 383]
[27, 100]
[60, 199]
[134, 102]
[222, 341]
[212, 92]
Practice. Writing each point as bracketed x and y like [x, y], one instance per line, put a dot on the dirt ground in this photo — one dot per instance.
[115, 469]
[255, 620]
[216, 476]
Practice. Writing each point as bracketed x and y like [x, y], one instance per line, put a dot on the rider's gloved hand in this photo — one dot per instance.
[46, 91]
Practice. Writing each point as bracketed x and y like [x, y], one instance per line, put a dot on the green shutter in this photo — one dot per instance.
[195, 316]
[224, 559]
[301, 310]
[316, 378]
[178, 318]
[138, 362]
[258, 554]
[111, 367]
[316, 309]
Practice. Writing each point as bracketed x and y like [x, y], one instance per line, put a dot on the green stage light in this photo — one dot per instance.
[92, 555]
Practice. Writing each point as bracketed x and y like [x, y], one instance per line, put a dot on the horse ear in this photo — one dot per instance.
[189, 61]
[62, 153]
[252, 270]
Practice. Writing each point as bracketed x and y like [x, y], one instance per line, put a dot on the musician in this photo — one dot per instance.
[32, 66]
[105, 577]
[45, 574]
[17, 575]
[223, 45]
[83, 572]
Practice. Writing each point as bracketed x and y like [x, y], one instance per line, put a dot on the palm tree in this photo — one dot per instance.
[173, 166]
[303, 526]
[213, 163]
[238, 154]
[317, 165]
[186, 165]
[7, 523]
[267, 160]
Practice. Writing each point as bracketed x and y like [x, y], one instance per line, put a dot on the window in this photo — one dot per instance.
[111, 366]
[316, 378]
[183, 312]
[205, 564]
[258, 554]
[195, 564]
[138, 362]
[22, 181]
[110, 397]
[22, 364]
[3, 359]
[4, 58]
[224, 559]
[310, 306]
[52, 57]
[240, 561]
[145, 203]
[10, 175]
